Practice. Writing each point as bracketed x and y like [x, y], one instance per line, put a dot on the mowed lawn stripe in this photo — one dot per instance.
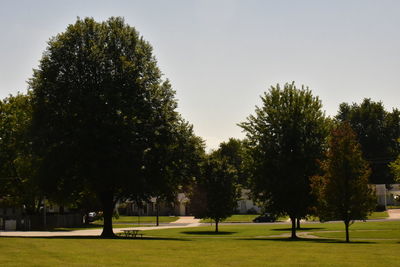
[192, 252]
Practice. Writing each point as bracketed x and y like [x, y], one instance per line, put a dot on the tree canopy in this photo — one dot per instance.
[286, 136]
[18, 186]
[377, 131]
[174, 166]
[235, 153]
[216, 191]
[395, 168]
[342, 190]
[101, 114]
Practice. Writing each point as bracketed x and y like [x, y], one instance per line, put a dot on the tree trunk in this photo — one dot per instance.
[157, 212]
[216, 226]
[298, 223]
[293, 219]
[107, 202]
[346, 223]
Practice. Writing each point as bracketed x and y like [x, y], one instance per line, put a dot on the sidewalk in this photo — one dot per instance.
[394, 213]
[182, 222]
[188, 219]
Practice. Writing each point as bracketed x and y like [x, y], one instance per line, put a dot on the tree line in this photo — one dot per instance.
[99, 125]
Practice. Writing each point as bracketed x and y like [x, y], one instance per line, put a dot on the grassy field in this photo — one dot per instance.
[236, 245]
[378, 215]
[141, 219]
[236, 218]
[123, 222]
[275, 229]
[245, 218]
[95, 226]
[133, 221]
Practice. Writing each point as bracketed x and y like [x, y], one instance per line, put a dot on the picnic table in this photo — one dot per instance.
[132, 233]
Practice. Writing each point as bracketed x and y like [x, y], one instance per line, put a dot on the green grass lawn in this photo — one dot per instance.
[246, 218]
[378, 215]
[122, 222]
[241, 218]
[141, 219]
[266, 230]
[237, 218]
[236, 245]
[95, 226]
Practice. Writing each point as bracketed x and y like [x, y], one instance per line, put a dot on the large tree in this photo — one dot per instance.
[17, 186]
[377, 131]
[101, 114]
[286, 136]
[342, 189]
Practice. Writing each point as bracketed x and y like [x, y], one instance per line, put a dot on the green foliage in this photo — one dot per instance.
[235, 153]
[286, 136]
[395, 169]
[16, 160]
[343, 190]
[102, 115]
[175, 165]
[215, 192]
[377, 131]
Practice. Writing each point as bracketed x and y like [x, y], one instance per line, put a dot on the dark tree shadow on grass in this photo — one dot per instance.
[81, 227]
[208, 233]
[301, 229]
[311, 240]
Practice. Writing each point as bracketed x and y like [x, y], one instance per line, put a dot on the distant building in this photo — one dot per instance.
[15, 218]
[388, 195]
[246, 204]
[180, 207]
[177, 208]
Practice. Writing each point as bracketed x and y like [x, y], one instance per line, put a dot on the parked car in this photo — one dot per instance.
[267, 217]
[92, 216]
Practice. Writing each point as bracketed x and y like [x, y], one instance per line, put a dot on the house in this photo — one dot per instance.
[180, 206]
[246, 204]
[388, 195]
[177, 208]
[15, 218]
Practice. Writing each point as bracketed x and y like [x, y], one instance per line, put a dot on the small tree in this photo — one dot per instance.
[215, 194]
[175, 166]
[343, 190]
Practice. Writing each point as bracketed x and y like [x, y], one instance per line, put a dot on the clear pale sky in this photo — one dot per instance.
[220, 56]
